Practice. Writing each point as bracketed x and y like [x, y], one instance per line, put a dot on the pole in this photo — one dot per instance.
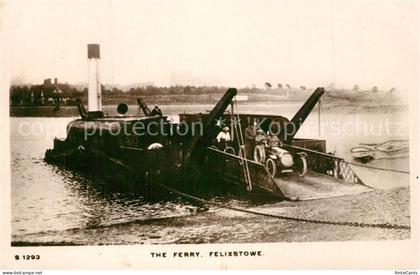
[319, 118]
[232, 121]
[94, 85]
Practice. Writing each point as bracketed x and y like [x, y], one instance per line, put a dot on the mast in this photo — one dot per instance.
[82, 111]
[216, 113]
[144, 106]
[296, 122]
[319, 118]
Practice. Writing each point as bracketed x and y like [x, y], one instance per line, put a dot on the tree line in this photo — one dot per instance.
[31, 94]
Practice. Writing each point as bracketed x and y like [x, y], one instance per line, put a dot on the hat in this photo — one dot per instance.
[225, 128]
[260, 131]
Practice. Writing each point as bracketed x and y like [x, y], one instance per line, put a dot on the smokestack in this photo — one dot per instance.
[94, 88]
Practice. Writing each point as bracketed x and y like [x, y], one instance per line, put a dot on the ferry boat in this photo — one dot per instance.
[151, 149]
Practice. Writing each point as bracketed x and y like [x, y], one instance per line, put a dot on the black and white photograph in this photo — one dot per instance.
[153, 124]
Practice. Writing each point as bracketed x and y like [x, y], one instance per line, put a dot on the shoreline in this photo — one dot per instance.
[71, 111]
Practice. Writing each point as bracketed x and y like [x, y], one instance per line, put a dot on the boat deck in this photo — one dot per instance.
[316, 186]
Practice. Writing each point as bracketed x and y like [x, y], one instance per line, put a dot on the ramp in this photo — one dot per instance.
[316, 186]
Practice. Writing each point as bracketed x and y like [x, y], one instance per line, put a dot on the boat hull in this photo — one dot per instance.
[387, 150]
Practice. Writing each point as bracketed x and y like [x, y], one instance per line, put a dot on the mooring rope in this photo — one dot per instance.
[220, 205]
[378, 168]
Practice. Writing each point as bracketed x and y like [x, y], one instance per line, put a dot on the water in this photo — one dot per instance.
[53, 206]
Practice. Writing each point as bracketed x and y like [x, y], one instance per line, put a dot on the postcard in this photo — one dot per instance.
[209, 134]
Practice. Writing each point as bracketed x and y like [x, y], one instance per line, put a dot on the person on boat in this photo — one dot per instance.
[250, 133]
[156, 111]
[223, 135]
[223, 138]
[273, 143]
[260, 145]
[260, 138]
[273, 140]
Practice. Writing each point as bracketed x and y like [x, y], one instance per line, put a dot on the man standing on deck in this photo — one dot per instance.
[250, 133]
[223, 138]
[156, 111]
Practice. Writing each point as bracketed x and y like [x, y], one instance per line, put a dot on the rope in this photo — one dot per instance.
[354, 224]
[242, 147]
[378, 168]
[326, 121]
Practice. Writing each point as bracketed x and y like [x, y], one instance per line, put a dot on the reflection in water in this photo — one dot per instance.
[52, 205]
[47, 197]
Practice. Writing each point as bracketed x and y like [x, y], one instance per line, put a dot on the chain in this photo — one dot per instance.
[354, 224]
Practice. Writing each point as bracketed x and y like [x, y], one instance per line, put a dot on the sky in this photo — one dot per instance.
[226, 43]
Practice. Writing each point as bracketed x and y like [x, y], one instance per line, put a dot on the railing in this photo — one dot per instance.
[230, 166]
[327, 164]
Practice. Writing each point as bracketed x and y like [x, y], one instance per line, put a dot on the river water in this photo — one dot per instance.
[54, 206]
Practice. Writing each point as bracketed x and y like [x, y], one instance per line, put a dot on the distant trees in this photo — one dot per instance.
[331, 86]
[26, 94]
[106, 90]
[15, 95]
[35, 94]
[19, 94]
[356, 88]
[174, 90]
